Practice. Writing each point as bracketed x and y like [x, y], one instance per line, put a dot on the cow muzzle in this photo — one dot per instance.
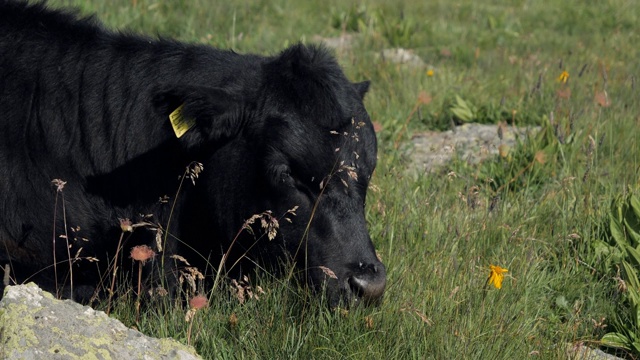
[368, 283]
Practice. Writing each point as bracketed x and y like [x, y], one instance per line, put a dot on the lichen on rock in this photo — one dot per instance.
[35, 325]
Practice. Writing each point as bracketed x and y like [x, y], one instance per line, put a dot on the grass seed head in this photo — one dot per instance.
[328, 272]
[59, 184]
[233, 320]
[189, 315]
[126, 225]
[193, 171]
[368, 322]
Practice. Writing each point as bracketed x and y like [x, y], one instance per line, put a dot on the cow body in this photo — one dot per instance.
[91, 107]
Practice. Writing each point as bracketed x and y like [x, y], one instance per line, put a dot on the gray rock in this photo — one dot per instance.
[34, 325]
[343, 42]
[470, 142]
[580, 351]
[401, 56]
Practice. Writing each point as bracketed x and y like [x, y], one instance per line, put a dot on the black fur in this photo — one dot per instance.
[91, 107]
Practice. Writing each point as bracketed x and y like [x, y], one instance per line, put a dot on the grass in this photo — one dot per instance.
[439, 233]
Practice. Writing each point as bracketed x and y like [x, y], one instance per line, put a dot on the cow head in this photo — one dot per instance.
[294, 135]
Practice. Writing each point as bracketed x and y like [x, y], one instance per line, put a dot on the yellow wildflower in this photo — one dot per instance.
[430, 72]
[564, 77]
[496, 276]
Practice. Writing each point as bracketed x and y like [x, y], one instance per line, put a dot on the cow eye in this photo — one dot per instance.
[285, 178]
[282, 176]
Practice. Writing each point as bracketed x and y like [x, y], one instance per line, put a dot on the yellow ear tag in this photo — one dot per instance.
[179, 123]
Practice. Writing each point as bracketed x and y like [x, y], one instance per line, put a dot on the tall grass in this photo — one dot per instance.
[439, 232]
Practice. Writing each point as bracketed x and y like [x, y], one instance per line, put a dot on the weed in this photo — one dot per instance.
[354, 19]
[622, 247]
[141, 254]
[196, 303]
[398, 31]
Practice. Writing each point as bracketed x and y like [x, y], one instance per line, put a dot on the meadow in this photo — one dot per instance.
[555, 210]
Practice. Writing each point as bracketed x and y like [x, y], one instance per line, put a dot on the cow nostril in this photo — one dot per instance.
[371, 268]
[369, 283]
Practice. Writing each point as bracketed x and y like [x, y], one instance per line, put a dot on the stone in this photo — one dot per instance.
[583, 352]
[470, 142]
[401, 56]
[340, 43]
[35, 325]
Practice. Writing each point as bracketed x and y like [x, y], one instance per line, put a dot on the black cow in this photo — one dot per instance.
[119, 117]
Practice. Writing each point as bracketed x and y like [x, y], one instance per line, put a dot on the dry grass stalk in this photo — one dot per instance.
[328, 272]
[59, 184]
[242, 290]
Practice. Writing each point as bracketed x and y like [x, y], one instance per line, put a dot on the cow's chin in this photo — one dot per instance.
[365, 286]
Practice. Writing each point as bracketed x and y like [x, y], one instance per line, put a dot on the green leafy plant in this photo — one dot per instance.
[624, 243]
[398, 31]
[353, 20]
[463, 111]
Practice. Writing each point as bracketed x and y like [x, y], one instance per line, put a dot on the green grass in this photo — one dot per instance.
[438, 234]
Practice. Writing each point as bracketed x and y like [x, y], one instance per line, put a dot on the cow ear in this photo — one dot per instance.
[362, 88]
[198, 115]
